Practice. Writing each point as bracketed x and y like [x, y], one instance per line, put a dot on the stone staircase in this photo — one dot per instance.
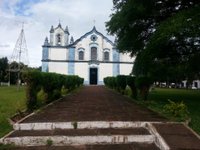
[141, 135]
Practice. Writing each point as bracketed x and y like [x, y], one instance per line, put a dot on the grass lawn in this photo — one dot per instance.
[159, 97]
[11, 100]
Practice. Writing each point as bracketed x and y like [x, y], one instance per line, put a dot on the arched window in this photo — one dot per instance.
[58, 39]
[81, 55]
[93, 53]
[106, 56]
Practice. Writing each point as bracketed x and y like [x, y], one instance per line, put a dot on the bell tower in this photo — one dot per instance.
[59, 36]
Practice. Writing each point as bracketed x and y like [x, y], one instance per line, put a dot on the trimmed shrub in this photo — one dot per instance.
[113, 82]
[63, 91]
[105, 80]
[41, 97]
[33, 80]
[41, 85]
[56, 94]
[80, 81]
[143, 84]
[130, 80]
[121, 83]
[70, 82]
[110, 82]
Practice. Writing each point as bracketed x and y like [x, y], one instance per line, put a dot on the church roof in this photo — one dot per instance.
[94, 30]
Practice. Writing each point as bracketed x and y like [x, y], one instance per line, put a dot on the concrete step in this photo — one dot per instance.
[84, 133]
[80, 125]
[78, 140]
[79, 137]
[80, 132]
[129, 146]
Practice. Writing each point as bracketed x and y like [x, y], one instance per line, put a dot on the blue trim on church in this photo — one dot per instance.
[71, 58]
[45, 67]
[116, 69]
[45, 56]
[45, 53]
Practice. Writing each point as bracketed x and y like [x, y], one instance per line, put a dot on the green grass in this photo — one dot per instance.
[159, 97]
[11, 100]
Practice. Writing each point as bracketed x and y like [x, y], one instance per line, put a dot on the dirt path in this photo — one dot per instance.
[95, 103]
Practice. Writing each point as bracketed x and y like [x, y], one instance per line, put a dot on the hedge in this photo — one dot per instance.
[130, 80]
[43, 88]
[121, 83]
[135, 83]
[110, 82]
[118, 83]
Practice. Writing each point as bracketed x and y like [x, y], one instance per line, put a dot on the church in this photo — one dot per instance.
[92, 56]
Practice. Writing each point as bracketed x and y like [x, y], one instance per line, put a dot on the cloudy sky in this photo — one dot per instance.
[39, 15]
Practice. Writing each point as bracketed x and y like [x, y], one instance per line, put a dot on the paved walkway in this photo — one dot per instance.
[95, 103]
[106, 120]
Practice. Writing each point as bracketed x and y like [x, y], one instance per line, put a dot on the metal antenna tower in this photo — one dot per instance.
[19, 58]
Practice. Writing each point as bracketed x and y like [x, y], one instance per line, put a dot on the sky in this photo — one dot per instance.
[39, 15]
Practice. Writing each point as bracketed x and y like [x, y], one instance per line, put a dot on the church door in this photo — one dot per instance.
[93, 76]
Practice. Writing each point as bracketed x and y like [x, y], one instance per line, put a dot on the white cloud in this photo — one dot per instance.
[77, 14]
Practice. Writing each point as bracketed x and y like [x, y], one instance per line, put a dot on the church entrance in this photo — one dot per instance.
[93, 76]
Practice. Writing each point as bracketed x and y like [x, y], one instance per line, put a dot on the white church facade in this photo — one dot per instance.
[93, 56]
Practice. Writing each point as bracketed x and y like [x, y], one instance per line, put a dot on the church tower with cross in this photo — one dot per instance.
[59, 36]
[92, 56]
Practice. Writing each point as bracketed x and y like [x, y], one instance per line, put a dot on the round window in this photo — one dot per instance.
[93, 37]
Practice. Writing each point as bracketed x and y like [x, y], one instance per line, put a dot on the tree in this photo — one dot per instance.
[3, 69]
[163, 35]
[14, 69]
[175, 44]
[134, 21]
[143, 83]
